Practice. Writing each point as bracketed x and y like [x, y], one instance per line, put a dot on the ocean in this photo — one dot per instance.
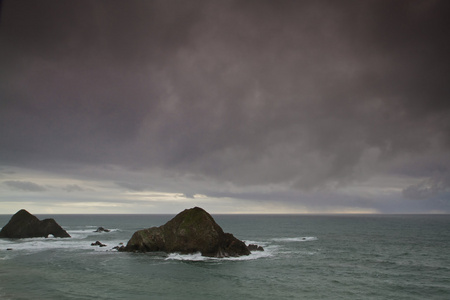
[305, 257]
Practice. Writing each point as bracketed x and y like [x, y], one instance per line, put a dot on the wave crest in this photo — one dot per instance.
[296, 239]
[198, 257]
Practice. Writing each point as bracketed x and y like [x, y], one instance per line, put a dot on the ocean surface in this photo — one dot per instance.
[305, 257]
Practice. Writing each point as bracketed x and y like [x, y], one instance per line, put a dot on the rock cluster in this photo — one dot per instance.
[191, 231]
[253, 247]
[25, 225]
[98, 243]
[101, 229]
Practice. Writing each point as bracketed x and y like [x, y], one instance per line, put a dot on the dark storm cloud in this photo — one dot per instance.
[301, 93]
[1, 4]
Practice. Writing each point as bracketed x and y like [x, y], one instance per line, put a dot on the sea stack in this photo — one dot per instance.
[25, 225]
[191, 231]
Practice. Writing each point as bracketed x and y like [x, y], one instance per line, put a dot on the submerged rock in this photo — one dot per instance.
[101, 229]
[98, 243]
[25, 225]
[191, 231]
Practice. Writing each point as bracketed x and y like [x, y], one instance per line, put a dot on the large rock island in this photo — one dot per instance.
[25, 225]
[191, 231]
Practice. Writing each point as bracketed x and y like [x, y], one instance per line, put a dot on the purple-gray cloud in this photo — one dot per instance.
[297, 93]
[436, 186]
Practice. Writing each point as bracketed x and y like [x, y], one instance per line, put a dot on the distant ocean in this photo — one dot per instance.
[306, 257]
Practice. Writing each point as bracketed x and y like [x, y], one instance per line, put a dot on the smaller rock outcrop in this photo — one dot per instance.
[101, 229]
[253, 247]
[119, 248]
[98, 243]
[25, 225]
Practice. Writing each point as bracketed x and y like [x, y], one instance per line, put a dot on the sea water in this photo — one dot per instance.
[304, 257]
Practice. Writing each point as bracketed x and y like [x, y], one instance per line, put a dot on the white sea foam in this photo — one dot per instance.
[5, 258]
[191, 257]
[198, 257]
[84, 233]
[259, 243]
[50, 243]
[296, 239]
[80, 240]
[80, 234]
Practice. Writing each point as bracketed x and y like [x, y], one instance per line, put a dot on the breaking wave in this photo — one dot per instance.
[296, 239]
[80, 239]
[198, 257]
[84, 233]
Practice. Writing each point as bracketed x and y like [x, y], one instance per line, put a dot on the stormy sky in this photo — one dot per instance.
[251, 106]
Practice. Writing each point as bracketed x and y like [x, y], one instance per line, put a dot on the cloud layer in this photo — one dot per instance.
[26, 186]
[304, 95]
